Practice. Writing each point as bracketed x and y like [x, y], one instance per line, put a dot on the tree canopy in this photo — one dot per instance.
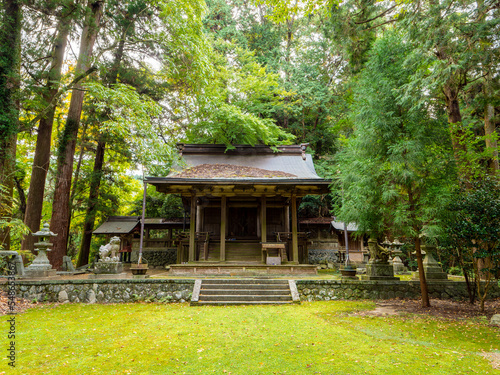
[398, 100]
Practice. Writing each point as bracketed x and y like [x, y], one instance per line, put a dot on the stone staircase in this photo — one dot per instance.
[244, 292]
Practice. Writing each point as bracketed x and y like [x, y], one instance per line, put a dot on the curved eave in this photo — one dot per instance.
[240, 186]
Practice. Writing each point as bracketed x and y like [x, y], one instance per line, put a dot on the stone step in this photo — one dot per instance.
[253, 287]
[245, 282]
[243, 298]
[225, 303]
[242, 292]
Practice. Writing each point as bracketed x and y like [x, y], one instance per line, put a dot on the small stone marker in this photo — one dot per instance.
[67, 264]
[495, 320]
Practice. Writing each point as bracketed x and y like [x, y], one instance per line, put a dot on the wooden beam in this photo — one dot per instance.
[263, 221]
[192, 228]
[223, 224]
[295, 243]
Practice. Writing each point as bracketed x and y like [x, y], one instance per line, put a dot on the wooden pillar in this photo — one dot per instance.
[295, 242]
[192, 229]
[263, 219]
[223, 225]
[287, 218]
[198, 218]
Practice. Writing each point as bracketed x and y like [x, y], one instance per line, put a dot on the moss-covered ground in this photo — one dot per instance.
[312, 338]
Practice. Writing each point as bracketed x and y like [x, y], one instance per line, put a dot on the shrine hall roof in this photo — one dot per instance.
[243, 162]
[245, 167]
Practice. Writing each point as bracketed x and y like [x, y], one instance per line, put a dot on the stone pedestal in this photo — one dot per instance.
[348, 274]
[432, 270]
[398, 266]
[379, 271]
[112, 268]
[108, 276]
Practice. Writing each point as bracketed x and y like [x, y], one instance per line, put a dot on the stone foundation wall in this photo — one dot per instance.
[158, 258]
[132, 290]
[326, 290]
[104, 291]
[317, 256]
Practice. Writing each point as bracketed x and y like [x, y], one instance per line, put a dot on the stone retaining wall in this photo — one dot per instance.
[132, 290]
[316, 256]
[326, 290]
[104, 291]
[157, 258]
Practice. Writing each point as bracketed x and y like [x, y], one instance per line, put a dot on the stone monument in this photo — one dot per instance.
[41, 266]
[109, 262]
[378, 267]
[432, 269]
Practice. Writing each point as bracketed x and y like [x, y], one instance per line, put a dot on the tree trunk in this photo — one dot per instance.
[22, 196]
[10, 52]
[60, 209]
[421, 274]
[43, 141]
[95, 183]
[83, 256]
[455, 121]
[417, 227]
[491, 142]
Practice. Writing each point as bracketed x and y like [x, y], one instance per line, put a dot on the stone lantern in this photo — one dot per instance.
[41, 266]
[397, 263]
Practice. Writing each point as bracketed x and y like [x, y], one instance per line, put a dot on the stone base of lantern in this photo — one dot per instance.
[39, 273]
[379, 271]
[108, 268]
[41, 266]
[108, 276]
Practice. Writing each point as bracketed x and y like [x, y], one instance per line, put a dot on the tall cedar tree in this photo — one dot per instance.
[454, 45]
[126, 25]
[50, 92]
[67, 143]
[395, 168]
[10, 45]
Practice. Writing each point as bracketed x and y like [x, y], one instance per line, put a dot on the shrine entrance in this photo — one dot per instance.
[242, 223]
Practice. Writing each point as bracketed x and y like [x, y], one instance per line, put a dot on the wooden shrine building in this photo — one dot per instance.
[242, 202]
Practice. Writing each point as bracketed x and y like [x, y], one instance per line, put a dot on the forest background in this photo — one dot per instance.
[398, 100]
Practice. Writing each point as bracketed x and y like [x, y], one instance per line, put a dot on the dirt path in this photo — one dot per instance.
[439, 308]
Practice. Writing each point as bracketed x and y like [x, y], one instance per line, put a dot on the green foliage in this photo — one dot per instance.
[455, 56]
[10, 225]
[457, 271]
[471, 232]
[314, 206]
[471, 221]
[235, 107]
[395, 169]
[129, 117]
[159, 205]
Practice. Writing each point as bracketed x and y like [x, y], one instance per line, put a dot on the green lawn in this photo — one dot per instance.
[312, 338]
